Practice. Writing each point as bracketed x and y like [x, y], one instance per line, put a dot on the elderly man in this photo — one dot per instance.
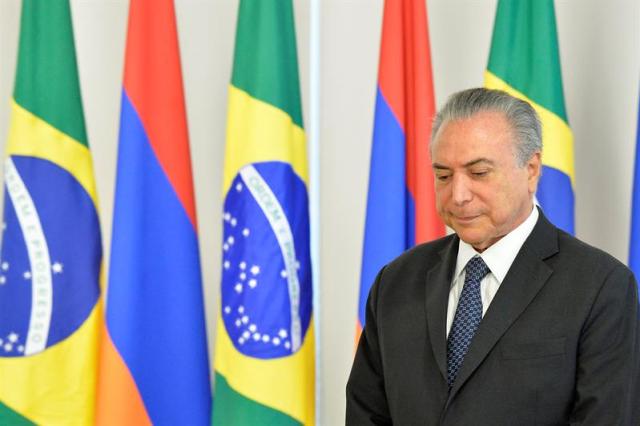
[509, 321]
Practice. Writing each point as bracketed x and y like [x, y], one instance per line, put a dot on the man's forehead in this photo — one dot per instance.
[480, 122]
[488, 130]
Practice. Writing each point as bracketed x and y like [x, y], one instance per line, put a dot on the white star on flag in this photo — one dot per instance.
[57, 268]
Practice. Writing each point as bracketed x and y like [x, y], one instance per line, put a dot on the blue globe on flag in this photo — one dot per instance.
[50, 257]
[266, 267]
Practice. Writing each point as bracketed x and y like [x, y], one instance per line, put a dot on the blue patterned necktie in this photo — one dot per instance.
[467, 318]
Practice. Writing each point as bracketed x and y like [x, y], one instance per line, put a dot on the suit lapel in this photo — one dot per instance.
[437, 295]
[525, 278]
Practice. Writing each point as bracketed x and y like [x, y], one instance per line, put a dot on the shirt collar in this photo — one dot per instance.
[500, 255]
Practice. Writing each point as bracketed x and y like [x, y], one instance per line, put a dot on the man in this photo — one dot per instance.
[510, 321]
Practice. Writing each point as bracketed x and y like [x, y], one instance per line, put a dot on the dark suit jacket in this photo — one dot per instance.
[559, 344]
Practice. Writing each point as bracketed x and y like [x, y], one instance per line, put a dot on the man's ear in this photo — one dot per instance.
[534, 170]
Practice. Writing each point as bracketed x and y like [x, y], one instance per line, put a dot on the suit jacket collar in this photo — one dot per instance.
[525, 278]
[437, 293]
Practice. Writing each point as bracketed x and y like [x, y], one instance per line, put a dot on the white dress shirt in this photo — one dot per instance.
[498, 258]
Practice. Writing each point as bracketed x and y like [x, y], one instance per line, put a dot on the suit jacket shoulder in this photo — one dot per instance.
[413, 265]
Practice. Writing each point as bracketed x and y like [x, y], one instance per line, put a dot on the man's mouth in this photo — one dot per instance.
[463, 220]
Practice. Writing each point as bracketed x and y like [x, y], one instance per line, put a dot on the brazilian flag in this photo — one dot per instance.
[524, 61]
[50, 262]
[264, 357]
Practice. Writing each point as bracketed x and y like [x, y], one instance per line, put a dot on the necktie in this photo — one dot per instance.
[467, 317]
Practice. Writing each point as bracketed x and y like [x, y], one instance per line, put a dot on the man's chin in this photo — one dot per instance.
[479, 242]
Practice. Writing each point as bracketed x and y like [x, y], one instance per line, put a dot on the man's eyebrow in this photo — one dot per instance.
[478, 161]
[471, 163]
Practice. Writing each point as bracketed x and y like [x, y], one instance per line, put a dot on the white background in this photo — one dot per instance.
[600, 56]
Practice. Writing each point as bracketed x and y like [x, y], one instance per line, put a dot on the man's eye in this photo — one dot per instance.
[480, 173]
[442, 178]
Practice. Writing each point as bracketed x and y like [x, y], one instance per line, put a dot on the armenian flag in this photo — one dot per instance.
[264, 357]
[154, 366]
[524, 61]
[401, 200]
[50, 263]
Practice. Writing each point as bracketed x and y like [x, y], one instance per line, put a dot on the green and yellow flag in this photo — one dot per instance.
[524, 62]
[264, 358]
[50, 262]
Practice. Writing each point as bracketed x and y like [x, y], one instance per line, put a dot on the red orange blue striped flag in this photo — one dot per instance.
[400, 202]
[154, 364]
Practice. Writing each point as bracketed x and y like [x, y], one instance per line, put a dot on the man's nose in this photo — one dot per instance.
[461, 191]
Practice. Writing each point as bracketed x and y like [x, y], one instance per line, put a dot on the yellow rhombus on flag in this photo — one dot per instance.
[264, 359]
[50, 263]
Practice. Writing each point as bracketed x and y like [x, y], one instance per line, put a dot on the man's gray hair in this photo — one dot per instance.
[520, 114]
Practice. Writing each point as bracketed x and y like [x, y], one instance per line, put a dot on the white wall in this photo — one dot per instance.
[600, 53]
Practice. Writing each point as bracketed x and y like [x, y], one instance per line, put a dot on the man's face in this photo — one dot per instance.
[481, 191]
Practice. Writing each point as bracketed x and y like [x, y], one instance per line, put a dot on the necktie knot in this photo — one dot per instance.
[476, 269]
